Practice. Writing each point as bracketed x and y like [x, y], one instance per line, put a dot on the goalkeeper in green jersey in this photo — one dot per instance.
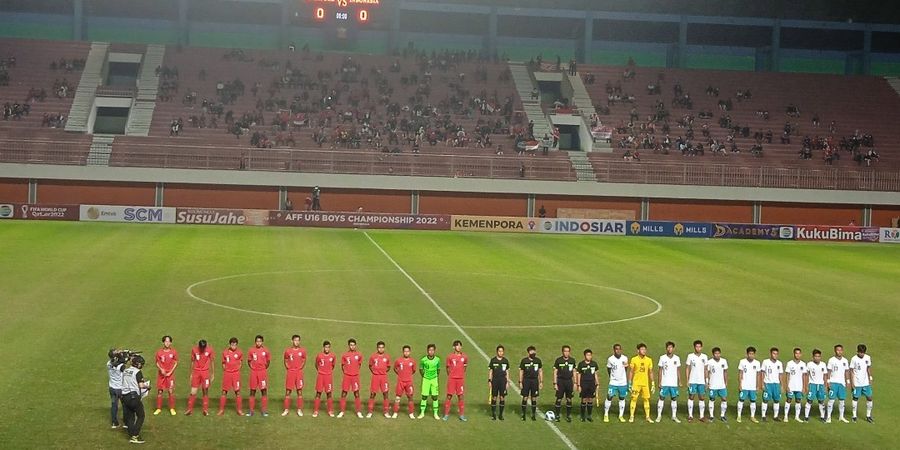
[430, 367]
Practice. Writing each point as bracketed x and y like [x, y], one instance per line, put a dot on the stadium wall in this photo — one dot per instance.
[52, 184]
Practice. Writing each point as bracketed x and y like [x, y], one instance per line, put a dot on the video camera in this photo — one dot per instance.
[121, 355]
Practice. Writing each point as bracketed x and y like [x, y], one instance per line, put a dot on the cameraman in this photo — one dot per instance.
[115, 367]
[133, 389]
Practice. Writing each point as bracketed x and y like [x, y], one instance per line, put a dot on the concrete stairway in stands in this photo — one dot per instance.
[521, 76]
[581, 99]
[91, 77]
[147, 89]
[101, 147]
[894, 82]
[584, 171]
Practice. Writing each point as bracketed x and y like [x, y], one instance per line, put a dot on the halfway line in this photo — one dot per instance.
[484, 355]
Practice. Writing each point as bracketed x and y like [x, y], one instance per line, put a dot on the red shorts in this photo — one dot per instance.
[294, 380]
[324, 383]
[259, 379]
[379, 384]
[456, 386]
[404, 388]
[165, 383]
[350, 383]
[231, 381]
[200, 379]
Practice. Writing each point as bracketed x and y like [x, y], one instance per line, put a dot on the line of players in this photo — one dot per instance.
[816, 381]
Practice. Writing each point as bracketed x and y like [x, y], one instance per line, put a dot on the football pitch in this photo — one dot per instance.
[70, 291]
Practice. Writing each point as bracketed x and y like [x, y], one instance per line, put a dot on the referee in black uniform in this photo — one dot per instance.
[531, 380]
[498, 380]
[133, 385]
[563, 369]
[587, 380]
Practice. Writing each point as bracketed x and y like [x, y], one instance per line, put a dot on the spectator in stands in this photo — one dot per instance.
[792, 111]
[288, 204]
[542, 212]
[522, 171]
[871, 156]
[815, 120]
[573, 67]
[316, 199]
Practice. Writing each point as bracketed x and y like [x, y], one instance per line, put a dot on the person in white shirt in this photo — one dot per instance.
[748, 377]
[717, 370]
[773, 379]
[669, 381]
[114, 367]
[816, 371]
[861, 365]
[797, 381]
[617, 368]
[695, 373]
[838, 377]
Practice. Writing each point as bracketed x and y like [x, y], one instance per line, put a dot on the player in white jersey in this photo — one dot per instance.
[838, 377]
[773, 379]
[861, 365]
[695, 373]
[617, 368]
[749, 377]
[669, 381]
[797, 381]
[717, 380]
[818, 384]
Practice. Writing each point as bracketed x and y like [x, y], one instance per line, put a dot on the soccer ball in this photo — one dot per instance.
[550, 415]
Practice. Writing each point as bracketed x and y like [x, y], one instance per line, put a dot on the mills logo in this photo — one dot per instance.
[635, 227]
[679, 229]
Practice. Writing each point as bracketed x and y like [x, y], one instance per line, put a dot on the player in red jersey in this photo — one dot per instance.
[166, 362]
[232, 359]
[404, 367]
[258, 358]
[379, 364]
[201, 375]
[294, 362]
[351, 361]
[324, 378]
[456, 380]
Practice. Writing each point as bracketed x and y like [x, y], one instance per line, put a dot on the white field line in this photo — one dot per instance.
[484, 355]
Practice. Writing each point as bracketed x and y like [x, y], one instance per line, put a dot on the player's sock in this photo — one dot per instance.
[171, 401]
[590, 409]
[159, 400]
[765, 407]
[606, 405]
[659, 407]
[329, 403]
[855, 404]
[371, 405]
[447, 407]
[797, 411]
[493, 407]
[821, 410]
[787, 409]
[690, 404]
[502, 406]
[633, 406]
[841, 408]
[191, 400]
[646, 407]
[775, 410]
[287, 403]
[807, 409]
[740, 409]
[674, 408]
[436, 405]
[752, 409]
[343, 404]
[568, 407]
[583, 410]
[462, 407]
[316, 402]
[240, 403]
[252, 403]
[621, 408]
[205, 402]
[830, 409]
[422, 405]
[702, 410]
[869, 408]
[265, 403]
[524, 405]
[222, 401]
[411, 406]
[357, 403]
[724, 407]
[712, 408]
[533, 408]
[299, 402]
[557, 406]
[385, 405]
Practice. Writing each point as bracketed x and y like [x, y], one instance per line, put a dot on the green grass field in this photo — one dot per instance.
[72, 290]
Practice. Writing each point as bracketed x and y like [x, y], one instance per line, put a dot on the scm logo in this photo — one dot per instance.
[143, 215]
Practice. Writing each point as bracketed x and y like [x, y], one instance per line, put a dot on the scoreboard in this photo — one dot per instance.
[344, 12]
